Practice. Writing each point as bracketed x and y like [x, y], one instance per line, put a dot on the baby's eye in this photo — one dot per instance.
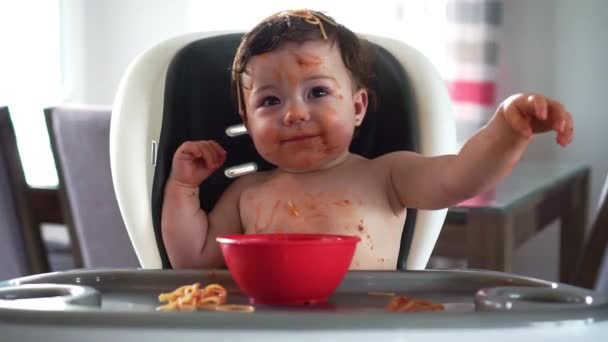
[318, 92]
[270, 101]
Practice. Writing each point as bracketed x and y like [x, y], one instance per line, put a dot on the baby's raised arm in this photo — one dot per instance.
[488, 156]
[188, 232]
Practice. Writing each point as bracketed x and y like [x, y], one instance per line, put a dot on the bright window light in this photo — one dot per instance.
[30, 80]
[420, 23]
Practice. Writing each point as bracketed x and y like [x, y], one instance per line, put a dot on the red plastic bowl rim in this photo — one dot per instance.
[297, 239]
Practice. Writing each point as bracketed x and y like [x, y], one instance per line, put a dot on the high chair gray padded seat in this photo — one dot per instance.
[179, 90]
[80, 143]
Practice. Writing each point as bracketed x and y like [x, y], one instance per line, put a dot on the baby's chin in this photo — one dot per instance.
[310, 165]
[300, 169]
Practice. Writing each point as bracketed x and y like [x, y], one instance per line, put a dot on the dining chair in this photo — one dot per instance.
[22, 251]
[79, 140]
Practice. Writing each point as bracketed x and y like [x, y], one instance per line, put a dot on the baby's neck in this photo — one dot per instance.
[326, 166]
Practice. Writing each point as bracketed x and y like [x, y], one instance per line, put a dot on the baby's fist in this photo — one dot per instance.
[195, 161]
[528, 114]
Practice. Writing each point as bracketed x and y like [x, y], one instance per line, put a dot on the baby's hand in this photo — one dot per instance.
[528, 114]
[195, 161]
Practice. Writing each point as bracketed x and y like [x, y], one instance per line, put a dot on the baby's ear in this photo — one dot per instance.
[360, 101]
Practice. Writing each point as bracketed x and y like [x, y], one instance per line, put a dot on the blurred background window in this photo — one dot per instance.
[31, 79]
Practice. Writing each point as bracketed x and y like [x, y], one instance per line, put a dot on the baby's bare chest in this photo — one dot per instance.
[307, 208]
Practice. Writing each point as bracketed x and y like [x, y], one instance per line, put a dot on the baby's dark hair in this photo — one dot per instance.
[300, 26]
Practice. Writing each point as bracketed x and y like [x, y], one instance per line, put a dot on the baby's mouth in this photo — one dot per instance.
[299, 138]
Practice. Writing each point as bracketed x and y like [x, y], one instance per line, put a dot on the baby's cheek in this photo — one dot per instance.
[265, 144]
[339, 137]
[263, 131]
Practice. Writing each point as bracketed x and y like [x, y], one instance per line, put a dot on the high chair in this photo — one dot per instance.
[179, 90]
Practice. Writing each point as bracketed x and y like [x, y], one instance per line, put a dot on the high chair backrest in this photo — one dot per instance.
[179, 90]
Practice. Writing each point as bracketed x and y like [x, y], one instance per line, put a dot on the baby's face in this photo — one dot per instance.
[301, 105]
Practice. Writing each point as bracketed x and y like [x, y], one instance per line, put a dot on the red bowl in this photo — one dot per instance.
[288, 269]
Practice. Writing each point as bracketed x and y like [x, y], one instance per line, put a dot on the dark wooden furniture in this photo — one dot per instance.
[31, 206]
[590, 261]
[487, 230]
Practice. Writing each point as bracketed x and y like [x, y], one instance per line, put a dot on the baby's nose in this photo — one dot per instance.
[295, 114]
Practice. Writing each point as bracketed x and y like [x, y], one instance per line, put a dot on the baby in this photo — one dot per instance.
[301, 85]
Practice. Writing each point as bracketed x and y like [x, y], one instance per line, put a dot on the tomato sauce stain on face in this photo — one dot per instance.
[343, 203]
[307, 62]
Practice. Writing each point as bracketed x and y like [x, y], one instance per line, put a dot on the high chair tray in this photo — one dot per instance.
[115, 300]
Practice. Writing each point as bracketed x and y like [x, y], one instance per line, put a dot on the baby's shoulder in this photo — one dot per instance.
[379, 163]
[387, 160]
[248, 181]
[368, 169]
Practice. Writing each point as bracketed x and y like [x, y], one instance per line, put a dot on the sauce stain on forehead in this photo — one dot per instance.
[307, 61]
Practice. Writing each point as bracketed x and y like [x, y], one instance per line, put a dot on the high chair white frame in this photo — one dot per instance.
[136, 125]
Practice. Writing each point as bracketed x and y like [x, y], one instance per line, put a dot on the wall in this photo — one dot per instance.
[102, 37]
[559, 48]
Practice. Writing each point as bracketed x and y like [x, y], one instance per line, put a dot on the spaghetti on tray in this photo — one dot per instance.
[192, 298]
[406, 304]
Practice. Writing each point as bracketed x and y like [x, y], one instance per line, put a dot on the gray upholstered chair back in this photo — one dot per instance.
[80, 142]
[13, 258]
